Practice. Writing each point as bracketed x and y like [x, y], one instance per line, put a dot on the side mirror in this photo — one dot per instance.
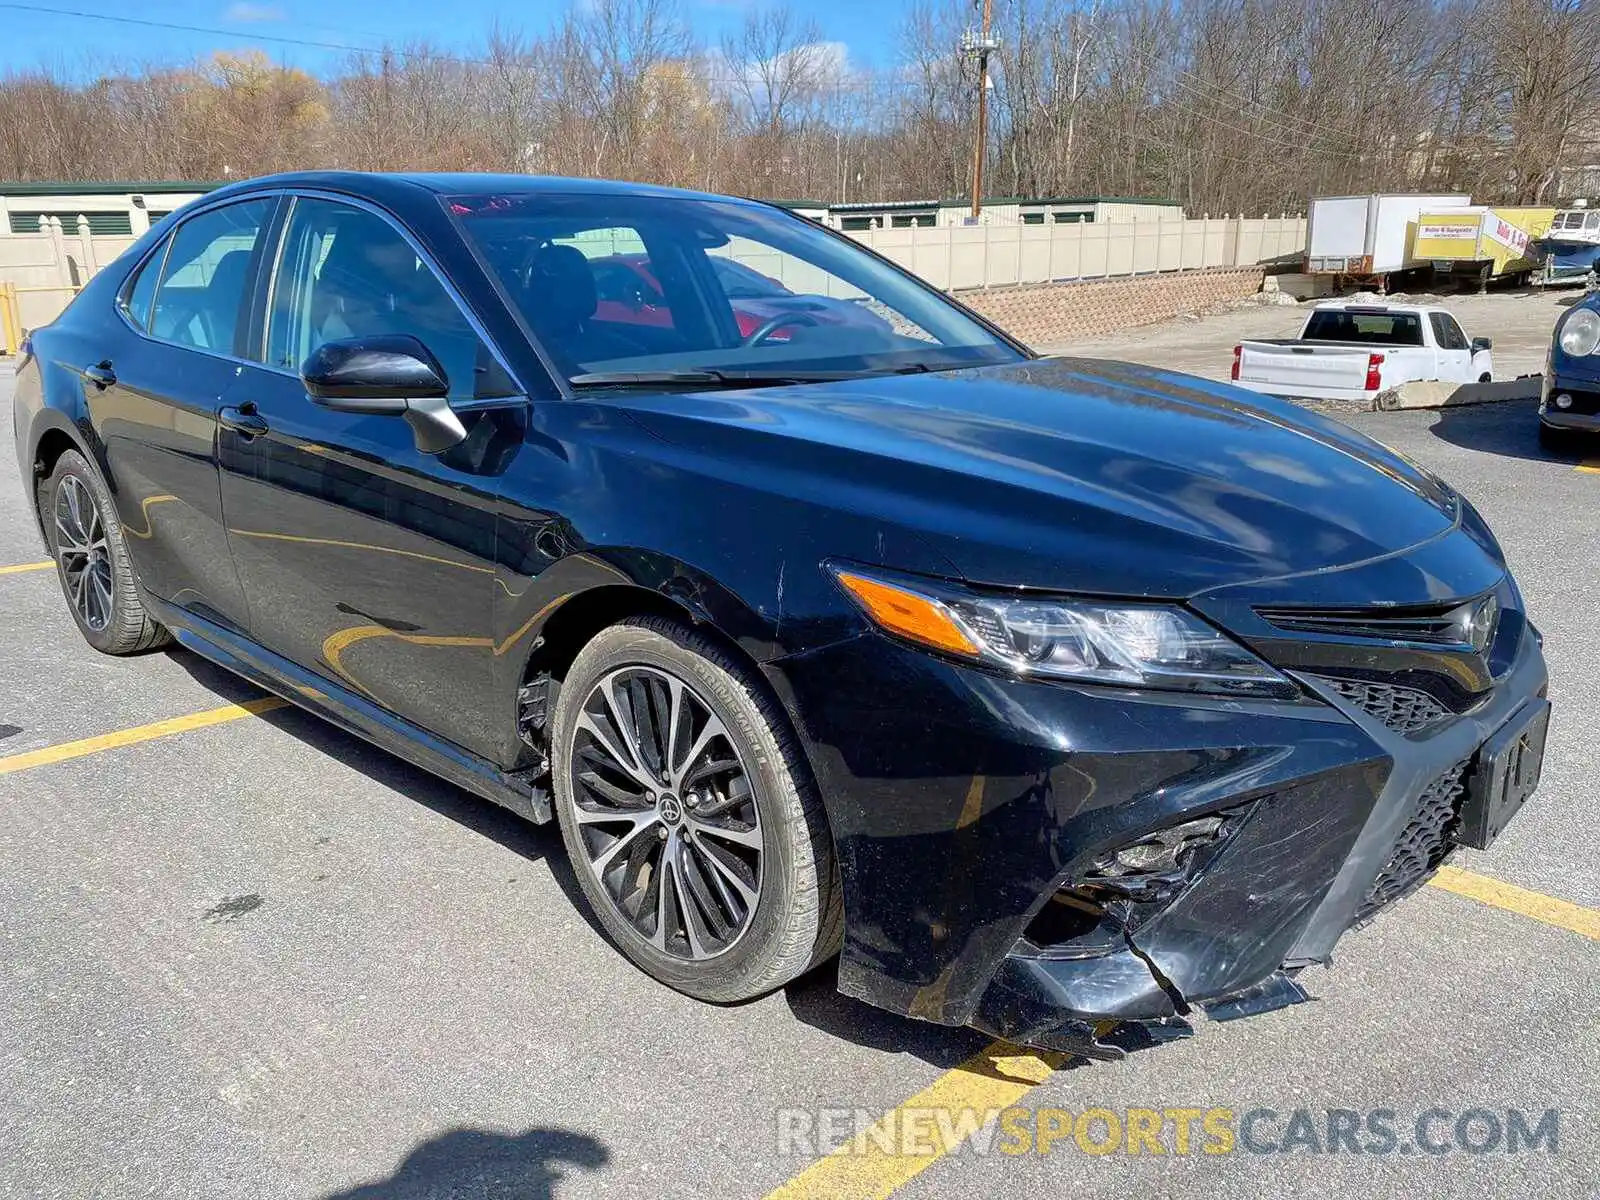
[386, 375]
[1482, 344]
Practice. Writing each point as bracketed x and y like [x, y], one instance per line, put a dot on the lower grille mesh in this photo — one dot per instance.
[1423, 844]
[1402, 709]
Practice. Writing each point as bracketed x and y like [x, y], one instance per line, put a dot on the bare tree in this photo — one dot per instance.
[1225, 105]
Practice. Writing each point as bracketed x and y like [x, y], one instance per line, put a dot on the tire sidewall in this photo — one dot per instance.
[730, 975]
[126, 609]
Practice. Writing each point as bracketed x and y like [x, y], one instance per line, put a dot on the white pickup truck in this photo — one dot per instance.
[1354, 351]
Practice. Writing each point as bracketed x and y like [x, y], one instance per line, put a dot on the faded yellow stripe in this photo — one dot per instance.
[144, 509]
[997, 1077]
[1534, 905]
[1592, 467]
[139, 733]
[21, 567]
[316, 541]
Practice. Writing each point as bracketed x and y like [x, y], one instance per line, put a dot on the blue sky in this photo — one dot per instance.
[73, 43]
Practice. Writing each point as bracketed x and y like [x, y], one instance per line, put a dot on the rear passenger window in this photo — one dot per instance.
[205, 286]
[137, 302]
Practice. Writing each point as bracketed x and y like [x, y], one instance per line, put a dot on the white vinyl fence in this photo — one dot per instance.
[40, 272]
[958, 257]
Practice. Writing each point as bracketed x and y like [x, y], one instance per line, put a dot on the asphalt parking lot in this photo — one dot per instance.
[247, 955]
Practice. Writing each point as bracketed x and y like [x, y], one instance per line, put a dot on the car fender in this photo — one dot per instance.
[540, 623]
[54, 407]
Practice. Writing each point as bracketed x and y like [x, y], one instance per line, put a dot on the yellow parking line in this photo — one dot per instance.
[139, 733]
[21, 567]
[1534, 905]
[994, 1079]
[1592, 467]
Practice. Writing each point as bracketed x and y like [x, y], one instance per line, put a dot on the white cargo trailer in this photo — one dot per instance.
[1367, 237]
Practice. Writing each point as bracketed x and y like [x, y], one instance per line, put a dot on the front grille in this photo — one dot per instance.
[1403, 709]
[1422, 845]
[1432, 625]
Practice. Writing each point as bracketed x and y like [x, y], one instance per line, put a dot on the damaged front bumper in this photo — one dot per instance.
[984, 828]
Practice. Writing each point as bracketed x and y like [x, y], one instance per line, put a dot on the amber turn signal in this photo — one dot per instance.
[908, 614]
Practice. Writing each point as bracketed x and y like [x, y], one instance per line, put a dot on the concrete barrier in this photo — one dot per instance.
[1434, 394]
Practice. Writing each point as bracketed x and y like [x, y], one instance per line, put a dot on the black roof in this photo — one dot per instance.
[379, 185]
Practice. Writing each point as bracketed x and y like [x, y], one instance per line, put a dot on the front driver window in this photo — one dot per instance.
[345, 272]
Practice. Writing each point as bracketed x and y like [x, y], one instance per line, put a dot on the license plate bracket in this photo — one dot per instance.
[1504, 775]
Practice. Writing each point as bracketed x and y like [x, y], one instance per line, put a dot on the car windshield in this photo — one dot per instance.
[628, 288]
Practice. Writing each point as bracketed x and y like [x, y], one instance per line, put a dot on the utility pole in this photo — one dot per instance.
[981, 45]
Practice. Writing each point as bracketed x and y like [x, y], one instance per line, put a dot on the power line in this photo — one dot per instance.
[719, 80]
[215, 31]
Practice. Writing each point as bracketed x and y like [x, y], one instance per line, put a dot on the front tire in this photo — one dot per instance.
[689, 814]
[92, 563]
[1563, 442]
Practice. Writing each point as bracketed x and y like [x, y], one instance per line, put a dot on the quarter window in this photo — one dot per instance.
[345, 272]
[137, 302]
[206, 285]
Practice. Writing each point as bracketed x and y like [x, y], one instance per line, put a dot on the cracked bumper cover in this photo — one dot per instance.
[961, 801]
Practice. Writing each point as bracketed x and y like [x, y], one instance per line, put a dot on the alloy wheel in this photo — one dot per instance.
[666, 812]
[83, 553]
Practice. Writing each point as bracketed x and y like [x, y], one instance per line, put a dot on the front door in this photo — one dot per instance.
[365, 560]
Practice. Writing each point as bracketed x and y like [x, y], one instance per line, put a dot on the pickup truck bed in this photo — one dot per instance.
[1352, 352]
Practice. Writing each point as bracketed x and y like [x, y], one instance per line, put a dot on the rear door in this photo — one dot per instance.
[155, 408]
[366, 561]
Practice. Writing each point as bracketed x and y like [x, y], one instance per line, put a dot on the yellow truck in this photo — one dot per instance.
[1479, 240]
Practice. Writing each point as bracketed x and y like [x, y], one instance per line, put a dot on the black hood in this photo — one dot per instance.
[1073, 474]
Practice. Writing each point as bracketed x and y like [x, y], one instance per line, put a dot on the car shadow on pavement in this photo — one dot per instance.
[486, 1165]
[815, 1000]
[1509, 429]
[482, 817]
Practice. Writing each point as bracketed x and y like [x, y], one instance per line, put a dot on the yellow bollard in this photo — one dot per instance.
[10, 319]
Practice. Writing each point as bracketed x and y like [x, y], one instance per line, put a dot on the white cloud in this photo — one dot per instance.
[822, 64]
[244, 11]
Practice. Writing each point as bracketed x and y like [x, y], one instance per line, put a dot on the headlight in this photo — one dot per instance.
[1135, 645]
[1580, 333]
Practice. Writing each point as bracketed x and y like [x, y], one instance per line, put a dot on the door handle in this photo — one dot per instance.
[101, 374]
[243, 420]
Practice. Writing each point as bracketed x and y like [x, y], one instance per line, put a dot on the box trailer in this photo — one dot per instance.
[1367, 238]
[1483, 241]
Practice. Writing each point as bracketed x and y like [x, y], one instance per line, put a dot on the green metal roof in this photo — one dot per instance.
[104, 188]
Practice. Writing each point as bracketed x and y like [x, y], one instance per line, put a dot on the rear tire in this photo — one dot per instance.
[689, 814]
[92, 563]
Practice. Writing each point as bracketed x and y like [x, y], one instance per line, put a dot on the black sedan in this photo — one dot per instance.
[1052, 695]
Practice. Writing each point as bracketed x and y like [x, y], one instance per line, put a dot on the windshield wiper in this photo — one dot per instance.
[705, 378]
[712, 377]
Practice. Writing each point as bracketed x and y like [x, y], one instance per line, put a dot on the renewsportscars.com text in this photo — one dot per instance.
[1021, 1130]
